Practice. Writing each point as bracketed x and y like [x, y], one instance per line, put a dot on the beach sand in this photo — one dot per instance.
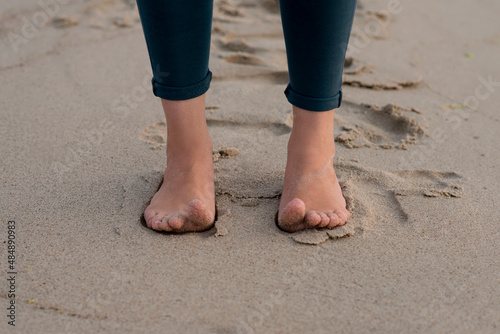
[82, 153]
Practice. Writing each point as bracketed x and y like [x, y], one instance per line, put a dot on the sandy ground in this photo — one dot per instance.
[82, 153]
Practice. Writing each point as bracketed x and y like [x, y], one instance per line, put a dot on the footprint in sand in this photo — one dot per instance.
[272, 6]
[276, 129]
[227, 9]
[224, 152]
[373, 198]
[155, 135]
[385, 127]
[62, 22]
[109, 15]
[368, 27]
[353, 67]
[245, 59]
[371, 24]
[228, 43]
[358, 73]
[262, 76]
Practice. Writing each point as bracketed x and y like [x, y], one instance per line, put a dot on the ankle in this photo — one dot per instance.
[312, 130]
[188, 149]
[310, 154]
[311, 144]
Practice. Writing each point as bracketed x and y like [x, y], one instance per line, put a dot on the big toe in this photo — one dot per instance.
[198, 214]
[292, 217]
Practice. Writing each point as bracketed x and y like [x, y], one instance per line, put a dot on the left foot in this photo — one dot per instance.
[312, 197]
[185, 201]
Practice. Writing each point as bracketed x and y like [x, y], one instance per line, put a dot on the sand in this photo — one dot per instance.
[82, 153]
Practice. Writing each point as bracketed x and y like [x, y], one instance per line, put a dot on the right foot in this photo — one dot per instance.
[312, 197]
[185, 201]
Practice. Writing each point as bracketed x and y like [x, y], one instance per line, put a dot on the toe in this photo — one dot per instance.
[155, 225]
[198, 214]
[163, 225]
[348, 215]
[312, 219]
[292, 217]
[342, 217]
[325, 220]
[333, 219]
[294, 211]
[177, 222]
[148, 216]
[154, 221]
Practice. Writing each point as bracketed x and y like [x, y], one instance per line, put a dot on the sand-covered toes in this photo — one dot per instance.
[295, 217]
[197, 218]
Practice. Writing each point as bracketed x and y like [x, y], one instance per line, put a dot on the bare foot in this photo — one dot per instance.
[312, 197]
[185, 201]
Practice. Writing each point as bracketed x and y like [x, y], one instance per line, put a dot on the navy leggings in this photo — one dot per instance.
[316, 35]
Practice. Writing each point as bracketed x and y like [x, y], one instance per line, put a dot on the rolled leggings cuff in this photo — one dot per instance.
[313, 103]
[182, 93]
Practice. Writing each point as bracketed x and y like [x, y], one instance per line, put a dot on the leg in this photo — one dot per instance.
[316, 37]
[179, 54]
[178, 39]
